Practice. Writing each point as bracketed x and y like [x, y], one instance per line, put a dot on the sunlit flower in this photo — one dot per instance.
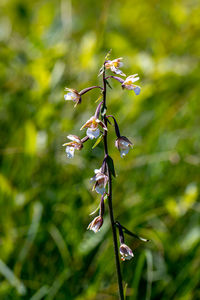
[71, 146]
[114, 66]
[96, 224]
[72, 95]
[123, 145]
[128, 83]
[101, 180]
[125, 252]
[92, 125]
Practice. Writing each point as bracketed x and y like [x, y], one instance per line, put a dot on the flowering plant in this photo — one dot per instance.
[103, 177]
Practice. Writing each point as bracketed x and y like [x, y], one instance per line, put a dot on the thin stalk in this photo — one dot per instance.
[114, 233]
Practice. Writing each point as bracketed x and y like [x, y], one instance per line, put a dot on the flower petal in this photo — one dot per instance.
[123, 152]
[93, 134]
[100, 189]
[74, 138]
[137, 90]
[70, 151]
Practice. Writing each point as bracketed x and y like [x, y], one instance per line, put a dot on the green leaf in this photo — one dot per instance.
[98, 98]
[108, 84]
[111, 165]
[97, 141]
[101, 70]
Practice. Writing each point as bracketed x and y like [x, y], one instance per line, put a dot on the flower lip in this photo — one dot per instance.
[125, 252]
[96, 224]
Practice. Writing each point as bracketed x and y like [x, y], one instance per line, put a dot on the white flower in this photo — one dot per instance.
[125, 252]
[71, 146]
[72, 95]
[123, 145]
[101, 181]
[96, 224]
[92, 125]
[114, 66]
[128, 83]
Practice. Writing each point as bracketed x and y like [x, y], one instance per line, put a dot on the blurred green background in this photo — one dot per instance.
[45, 198]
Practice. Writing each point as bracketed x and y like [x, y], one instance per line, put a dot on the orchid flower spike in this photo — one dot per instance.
[71, 146]
[114, 66]
[72, 95]
[101, 181]
[92, 125]
[123, 145]
[126, 252]
[128, 83]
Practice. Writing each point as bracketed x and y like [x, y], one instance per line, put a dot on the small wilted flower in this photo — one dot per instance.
[101, 180]
[125, 252]
[114, 66]
[72, 95]
[71, 146]
[128, 83]
[96, 224]
[123, 145]
[92, 125]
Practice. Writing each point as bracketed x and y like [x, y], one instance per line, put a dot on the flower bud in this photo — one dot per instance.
[96, 224]
[123, 145]
[125, 252]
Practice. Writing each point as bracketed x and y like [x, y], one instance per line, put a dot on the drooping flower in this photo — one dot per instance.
[128, 83]
[92, 125]
[96, 224]
[125, 252]
[114, 66]
[123, 145]
[101, 181]
[72, 95]
[71, 146]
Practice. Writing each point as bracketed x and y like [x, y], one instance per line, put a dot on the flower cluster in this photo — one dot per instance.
[98, 124]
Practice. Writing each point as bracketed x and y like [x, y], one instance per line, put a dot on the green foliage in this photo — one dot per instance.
[46, 199]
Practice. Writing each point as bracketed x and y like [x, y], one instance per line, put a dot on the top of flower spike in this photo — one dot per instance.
[114, 66]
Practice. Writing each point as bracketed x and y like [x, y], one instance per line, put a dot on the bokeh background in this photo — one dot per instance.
[45, 198]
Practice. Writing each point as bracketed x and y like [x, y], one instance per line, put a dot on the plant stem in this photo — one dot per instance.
[114, 233]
